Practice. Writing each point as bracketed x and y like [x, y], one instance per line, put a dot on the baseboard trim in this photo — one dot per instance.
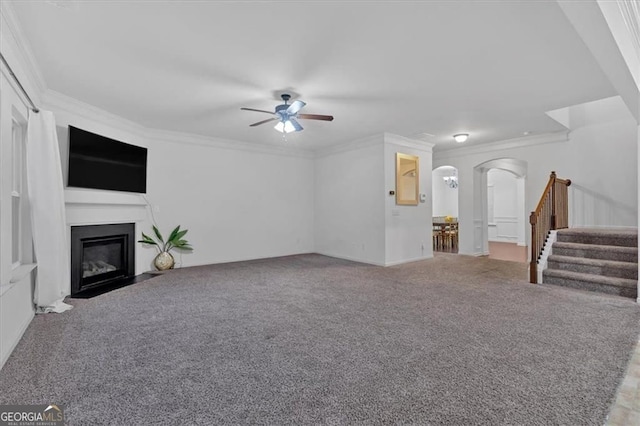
[23, 328]
[351, 259]
[402, 262]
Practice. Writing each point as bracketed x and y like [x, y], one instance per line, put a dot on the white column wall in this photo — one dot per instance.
[350, 202]
[408, 228]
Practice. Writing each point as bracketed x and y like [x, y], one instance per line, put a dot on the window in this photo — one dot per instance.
[21, 248]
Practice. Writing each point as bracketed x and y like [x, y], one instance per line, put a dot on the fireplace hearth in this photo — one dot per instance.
[102, 256]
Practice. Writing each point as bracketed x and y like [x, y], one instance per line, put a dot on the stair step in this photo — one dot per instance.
[592, 251]
[622, 237]
[608, 268]
[609, 285]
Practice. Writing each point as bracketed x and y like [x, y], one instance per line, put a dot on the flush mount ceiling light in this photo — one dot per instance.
[461, 137]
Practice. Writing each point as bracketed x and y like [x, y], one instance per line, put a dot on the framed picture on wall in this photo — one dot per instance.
[407, 179]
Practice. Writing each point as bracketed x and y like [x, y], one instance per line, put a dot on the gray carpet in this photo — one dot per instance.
[314, 340]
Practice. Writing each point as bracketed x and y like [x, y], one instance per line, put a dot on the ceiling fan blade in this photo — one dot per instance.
[316, 117]
[296, 125]
[257, 110]
[262, 122]
[295, 107]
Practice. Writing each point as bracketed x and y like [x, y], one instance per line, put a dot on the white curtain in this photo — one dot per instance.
[46, 198]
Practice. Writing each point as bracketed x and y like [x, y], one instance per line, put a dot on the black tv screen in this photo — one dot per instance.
[99, 162]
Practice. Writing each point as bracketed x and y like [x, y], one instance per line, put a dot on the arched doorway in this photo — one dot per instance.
[516, 167]
[505, 198]
[445, 209]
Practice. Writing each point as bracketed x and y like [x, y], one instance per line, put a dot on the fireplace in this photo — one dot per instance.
[101, 256]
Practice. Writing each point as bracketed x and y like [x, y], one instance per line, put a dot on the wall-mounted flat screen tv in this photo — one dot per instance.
[99, 162]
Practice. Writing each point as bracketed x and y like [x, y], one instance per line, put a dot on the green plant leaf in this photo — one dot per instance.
[174, 233]
[147, 239]
[175, 240]
[158, 234]
[179, 236]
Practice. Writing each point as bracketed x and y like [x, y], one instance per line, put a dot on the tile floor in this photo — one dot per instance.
[507, 251]
[626, 408]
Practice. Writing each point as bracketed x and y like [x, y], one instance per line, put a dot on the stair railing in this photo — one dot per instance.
[551, 213]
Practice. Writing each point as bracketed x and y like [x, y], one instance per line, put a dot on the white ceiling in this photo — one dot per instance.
[488, 68]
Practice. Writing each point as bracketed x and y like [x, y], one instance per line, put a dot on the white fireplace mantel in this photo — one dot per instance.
[92, 207]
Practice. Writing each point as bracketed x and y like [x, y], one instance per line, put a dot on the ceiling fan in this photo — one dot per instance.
[287, 115]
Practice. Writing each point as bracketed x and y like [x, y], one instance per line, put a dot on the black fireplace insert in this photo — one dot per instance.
[101, 255]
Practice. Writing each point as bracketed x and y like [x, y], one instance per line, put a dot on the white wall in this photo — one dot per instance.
[445, 198]
[350, 201]
[599, 156]
[16, 287]
[408, 228]
[238, 204]
[356, 216]
[94, 207]
[502, 206]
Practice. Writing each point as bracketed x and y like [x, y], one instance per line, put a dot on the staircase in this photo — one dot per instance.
[602, 260]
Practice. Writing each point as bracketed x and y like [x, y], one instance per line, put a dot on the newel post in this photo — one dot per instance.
[553, 200]
[533, 266]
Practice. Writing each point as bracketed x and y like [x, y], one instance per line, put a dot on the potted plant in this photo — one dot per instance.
[164, 260]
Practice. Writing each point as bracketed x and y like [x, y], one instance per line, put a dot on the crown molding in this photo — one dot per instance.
[630, 12]
[220, 143]
[365, 142]
[373, 140]
[408, 142]
[59, 102]
[526, 141]
[29, 63]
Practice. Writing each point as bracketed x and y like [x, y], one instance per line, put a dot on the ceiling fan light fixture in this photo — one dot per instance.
[287, 115]
[288, 127]
[461, 137]
[284, 126]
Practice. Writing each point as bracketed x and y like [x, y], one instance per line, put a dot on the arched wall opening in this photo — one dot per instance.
[506, 226]
[445, 199]
[445, 191]
[515, 167]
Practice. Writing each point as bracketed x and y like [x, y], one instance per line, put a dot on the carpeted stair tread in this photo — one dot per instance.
[602, 236]
[610, 285]
[605, 252]
[604, 260]
[617, 282]
[609, 268]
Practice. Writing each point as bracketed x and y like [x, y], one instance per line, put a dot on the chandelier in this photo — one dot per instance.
[451, 181]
